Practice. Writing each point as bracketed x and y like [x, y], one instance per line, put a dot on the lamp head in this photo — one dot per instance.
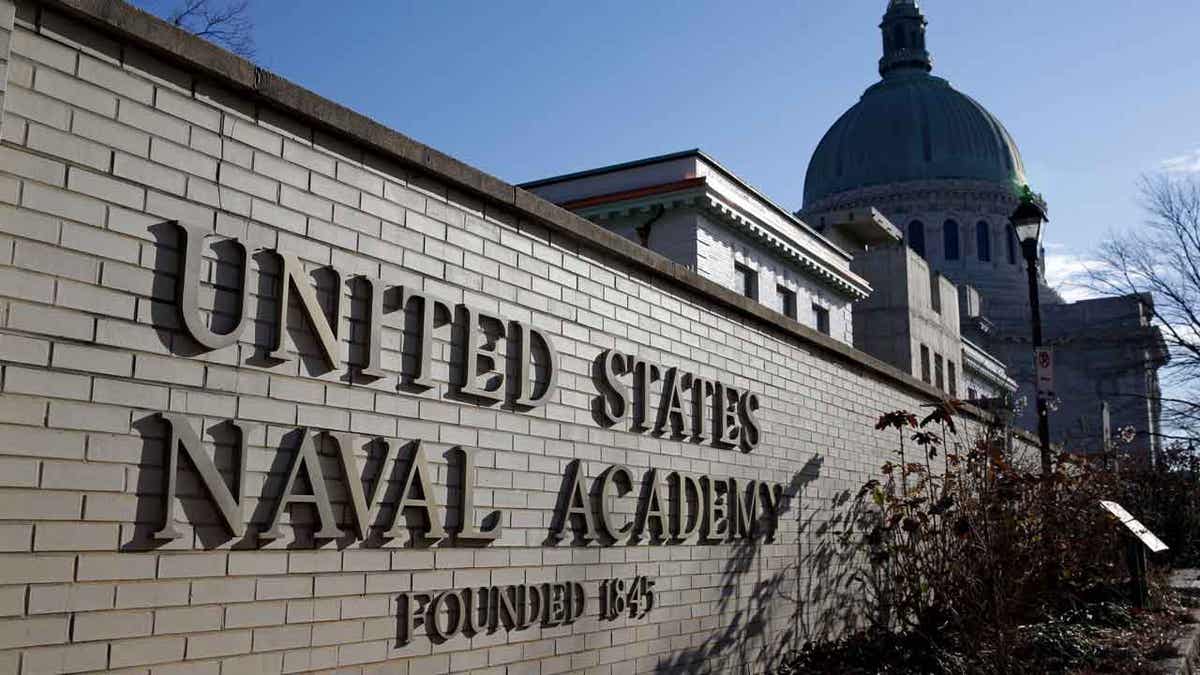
[1029, 219]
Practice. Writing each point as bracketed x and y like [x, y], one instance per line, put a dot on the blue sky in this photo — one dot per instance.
[1095, 93]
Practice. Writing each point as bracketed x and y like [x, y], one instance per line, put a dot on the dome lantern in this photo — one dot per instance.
[904, 39]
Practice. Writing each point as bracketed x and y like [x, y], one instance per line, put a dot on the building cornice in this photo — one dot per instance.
[697, 154]
[763, 234]
[977, 360]
[987, 196]
[700, 194]
[590, 203]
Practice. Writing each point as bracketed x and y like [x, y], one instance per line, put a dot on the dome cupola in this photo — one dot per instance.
[904, 39]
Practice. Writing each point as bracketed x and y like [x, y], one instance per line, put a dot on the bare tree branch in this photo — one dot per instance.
[225, 22]
[1162, 261]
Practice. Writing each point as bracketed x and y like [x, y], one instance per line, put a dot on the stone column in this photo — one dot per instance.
[8, 13]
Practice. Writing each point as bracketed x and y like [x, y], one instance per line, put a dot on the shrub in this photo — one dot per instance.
[1165, 495]
[979, 563]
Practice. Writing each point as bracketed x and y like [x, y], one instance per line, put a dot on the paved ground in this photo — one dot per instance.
[1186, 581]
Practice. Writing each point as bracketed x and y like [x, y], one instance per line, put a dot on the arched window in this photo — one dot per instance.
[1012, 244]
[916, 237]
[898, 37]
[950, 240]
[983, 241]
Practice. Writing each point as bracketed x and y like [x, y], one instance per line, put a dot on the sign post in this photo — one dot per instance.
[1106, 437]
[1044, 360]
[1137, 540]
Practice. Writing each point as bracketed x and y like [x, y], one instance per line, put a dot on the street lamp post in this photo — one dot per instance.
[1028, 221]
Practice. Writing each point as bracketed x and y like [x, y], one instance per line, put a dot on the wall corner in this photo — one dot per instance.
[8, 14]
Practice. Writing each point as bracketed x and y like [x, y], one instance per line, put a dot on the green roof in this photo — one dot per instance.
[912, 127]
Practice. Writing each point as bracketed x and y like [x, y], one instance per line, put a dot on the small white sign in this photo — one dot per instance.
[1139, 530]
[1044, 360]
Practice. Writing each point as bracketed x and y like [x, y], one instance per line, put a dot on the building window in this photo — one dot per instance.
[939, 376]
[935, 291]
[925, 364]
[916, 237]
[822, 318]
[747, 280]
[983, 241]
[1012, 244]
[972, 395]
[787, 301]
[952, 378]
[950, 240]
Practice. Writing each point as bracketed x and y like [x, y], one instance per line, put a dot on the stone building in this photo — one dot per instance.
[849, 277]
[694, 211]
[916, 319]
[946, 171]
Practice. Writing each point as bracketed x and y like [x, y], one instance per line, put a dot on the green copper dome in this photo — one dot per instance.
[911, 126]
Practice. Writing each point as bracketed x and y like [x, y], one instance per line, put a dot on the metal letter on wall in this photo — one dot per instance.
[652, 508]
[429, 311]
[716, 509]
[524, 335]
[476, 608]
[468, 531]
[373, 367]
[771, 495]
[743, 509]
[725, 419]
[689, 508]
[363, 507]
[751, 435]
[644, 373]
[612, 363]
[418, 476]
[670, 408]
[611, 476]
[575, 503]
[291, 275]
[413, 614]
[439, 610]
[184, 437]
[702, 389]
[473, 352]
[189, 289]
[307, 459]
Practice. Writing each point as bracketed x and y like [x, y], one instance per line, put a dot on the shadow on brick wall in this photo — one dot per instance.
[767, 611]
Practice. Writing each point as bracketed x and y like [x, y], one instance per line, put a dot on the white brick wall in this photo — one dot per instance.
[718, 252]
[110, 143]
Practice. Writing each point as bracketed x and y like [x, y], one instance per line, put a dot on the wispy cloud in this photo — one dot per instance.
[1067, 273]
[1185, 163]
